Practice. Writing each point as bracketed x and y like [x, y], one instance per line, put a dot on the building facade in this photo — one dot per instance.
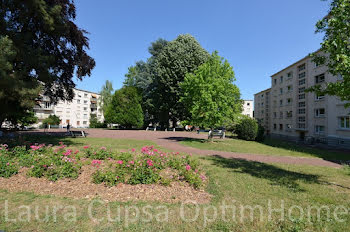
[76, 113]
[262, 108]
[300, 115]
[248, 108]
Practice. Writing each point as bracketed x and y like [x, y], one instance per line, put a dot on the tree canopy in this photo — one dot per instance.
[335, 49]
[106, 96]
[52, 120]
[40, 47]
[210, 95]
[125, 108]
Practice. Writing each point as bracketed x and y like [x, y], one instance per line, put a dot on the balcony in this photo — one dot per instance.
[44, 107]
[93, 106]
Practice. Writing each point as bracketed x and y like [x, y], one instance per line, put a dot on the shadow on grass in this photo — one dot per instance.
[324, 153]
[40, 138]
[277, 176]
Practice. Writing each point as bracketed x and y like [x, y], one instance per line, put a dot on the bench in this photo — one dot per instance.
[151, 128]
[78, 133]
[216, 133]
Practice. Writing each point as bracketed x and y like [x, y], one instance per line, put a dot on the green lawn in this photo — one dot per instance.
[235, 182]
[268, 147]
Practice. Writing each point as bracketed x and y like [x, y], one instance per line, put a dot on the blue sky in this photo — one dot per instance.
[257, 37]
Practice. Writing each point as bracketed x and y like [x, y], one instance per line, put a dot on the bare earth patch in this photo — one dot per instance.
[82, 187]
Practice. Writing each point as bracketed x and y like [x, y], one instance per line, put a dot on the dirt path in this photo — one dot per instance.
[170, 140]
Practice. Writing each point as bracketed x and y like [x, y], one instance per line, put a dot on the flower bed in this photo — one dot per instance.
[148, 166]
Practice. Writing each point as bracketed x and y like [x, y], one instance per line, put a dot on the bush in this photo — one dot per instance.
[261, 133]
[247, 129]
[7, 167]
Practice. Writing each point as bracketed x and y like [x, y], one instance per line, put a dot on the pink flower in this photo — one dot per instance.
[103, 148]
[149, 163]
[96, 162]
[8, 164]
[188, 167]
[120, 161]
[133, 150]
[44, 165]
[86, 147]
[196, 170]
[76, 152]
[131, 162]
[155, 150]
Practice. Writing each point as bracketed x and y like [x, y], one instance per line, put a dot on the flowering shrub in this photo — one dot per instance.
[149, 166]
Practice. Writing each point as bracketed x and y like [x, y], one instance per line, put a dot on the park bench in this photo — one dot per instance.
[78, 134]
[151, 128]
[216, 133]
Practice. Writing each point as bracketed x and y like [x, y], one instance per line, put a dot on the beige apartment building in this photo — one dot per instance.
[248, 108]
[75, 113]
[299, 115]
[262, 108]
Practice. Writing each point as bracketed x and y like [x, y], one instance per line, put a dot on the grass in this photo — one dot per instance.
[268, 147]
[235, 182]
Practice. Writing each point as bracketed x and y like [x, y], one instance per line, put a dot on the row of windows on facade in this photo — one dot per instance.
[319, 129]
[319, 113]
[343, 123]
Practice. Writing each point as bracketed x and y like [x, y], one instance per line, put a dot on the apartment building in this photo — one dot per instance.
[248, 108]
[77, 113]
[262, 108]
[299, 115]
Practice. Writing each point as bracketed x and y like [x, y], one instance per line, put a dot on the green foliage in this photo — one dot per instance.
[261, 133]
[106, 97]
[125, 108]
[209, 94]
[335, 49]
[52, 120]
[94, 123]
[28, 64]
[247, 128]
[28, 118]
[7, 167]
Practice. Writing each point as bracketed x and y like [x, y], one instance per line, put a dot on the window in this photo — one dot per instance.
[275, 81]
[84, 122]
[78, 101]
[320, 112]
[302, 82]
[274, 126]
[262, 112]
[289, 101]
[85, 101]
[302, 75]
[301, 96]
[85, 108]
[281, 79]
[274, 114]
[319, 79]
[301, 104]
[281, 102]
[301, 111]
[248, 104]
[302, 90]
[301, 67]
[289, 88]
[319, 96]
[79, 95]
[319, 129]
[275, 103]
[288, 126]
[281, 126]
[85, 116]
[85, 95]
[47, 105]
[289, 114]
[344, 122]
[281, 114]
[301, 125]
[301, 119]
[290, 75]
[316, 65]
[281, 91]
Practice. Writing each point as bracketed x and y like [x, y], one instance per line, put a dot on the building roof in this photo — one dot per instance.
[263, 91]
[87, 91]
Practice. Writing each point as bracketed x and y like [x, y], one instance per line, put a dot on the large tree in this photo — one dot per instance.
[125, 108]
[106, 96]
[335, 49]
[178, 58]
[210, 95]
[43, 48]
